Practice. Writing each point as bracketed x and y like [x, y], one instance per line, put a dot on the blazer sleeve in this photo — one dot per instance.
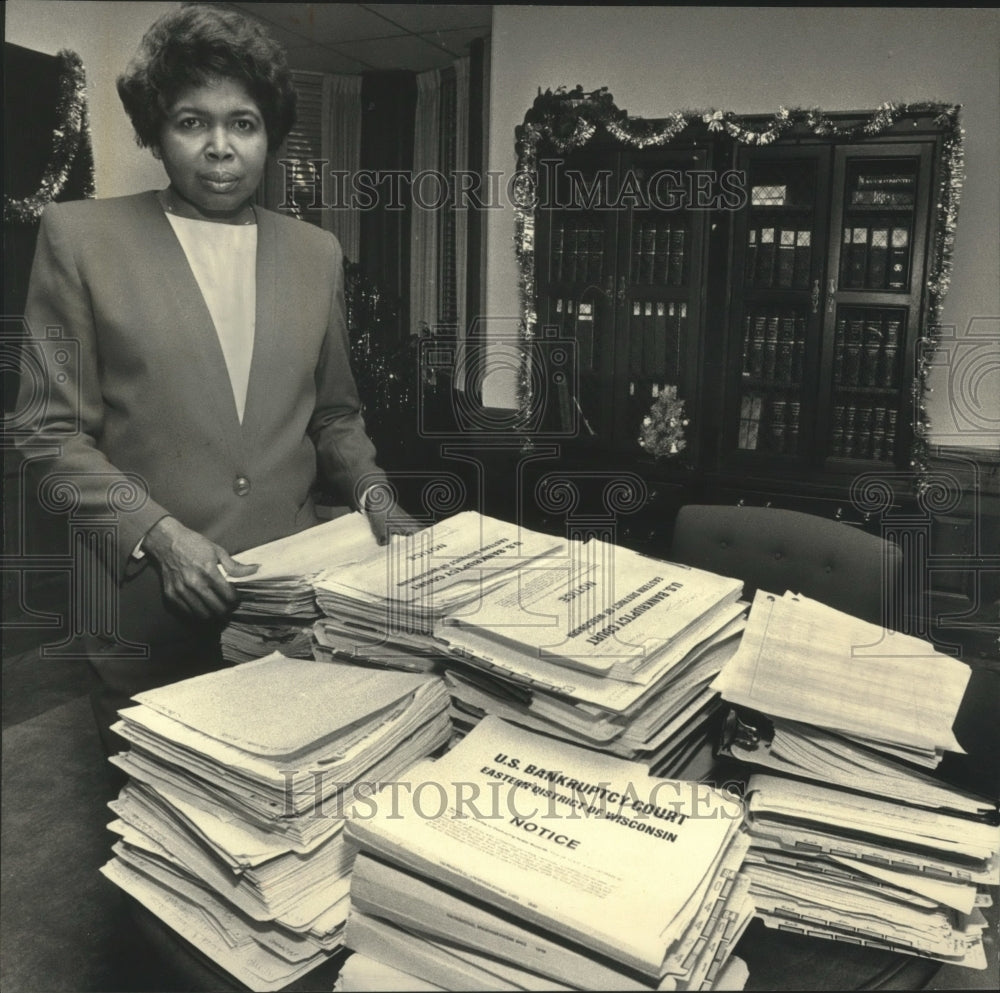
[60, 385]
[345, 453]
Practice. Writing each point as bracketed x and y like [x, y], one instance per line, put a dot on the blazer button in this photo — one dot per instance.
[241, 486]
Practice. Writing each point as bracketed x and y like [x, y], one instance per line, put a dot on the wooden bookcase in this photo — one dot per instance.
[788, 316]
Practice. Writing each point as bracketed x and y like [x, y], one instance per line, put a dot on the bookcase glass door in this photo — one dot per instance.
[778, 242]
[660, 278]
[576, 278]
[877, 247]
[620, 273]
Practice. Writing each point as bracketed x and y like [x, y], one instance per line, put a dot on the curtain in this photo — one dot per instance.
[424, 223]
[341, 147]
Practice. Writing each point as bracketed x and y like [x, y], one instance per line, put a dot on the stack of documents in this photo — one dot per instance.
[586, 641]
[231, 825]
[882, 853]
[516, 861]
[404, 590]
[277, 603]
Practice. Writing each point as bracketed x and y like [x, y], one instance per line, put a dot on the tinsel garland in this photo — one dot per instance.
[563, 121]
[71, 130]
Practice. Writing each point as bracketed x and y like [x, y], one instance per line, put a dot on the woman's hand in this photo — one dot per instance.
[189, 569]
[386, 517]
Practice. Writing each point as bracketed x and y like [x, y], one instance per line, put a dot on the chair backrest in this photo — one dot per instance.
[777, 550]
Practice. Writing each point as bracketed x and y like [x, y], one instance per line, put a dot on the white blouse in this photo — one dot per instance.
[223, 258]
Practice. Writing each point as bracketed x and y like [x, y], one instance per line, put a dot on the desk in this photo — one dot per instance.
[776, 960]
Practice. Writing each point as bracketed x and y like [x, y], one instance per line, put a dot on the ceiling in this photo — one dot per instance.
[356, 37]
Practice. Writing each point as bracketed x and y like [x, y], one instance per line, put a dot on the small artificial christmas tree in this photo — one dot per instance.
[663, 427]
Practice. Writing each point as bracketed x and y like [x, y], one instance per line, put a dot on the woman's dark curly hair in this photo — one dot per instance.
[193, 45]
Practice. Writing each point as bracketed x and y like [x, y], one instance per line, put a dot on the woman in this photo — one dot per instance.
[214, 390]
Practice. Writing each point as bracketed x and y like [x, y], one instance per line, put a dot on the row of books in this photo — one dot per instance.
[656, 332]
[852, 839]
[774, 342]
[577, 252]
[875, 257]
[659, 252]
[769, 423]
[866, 349]
[863, 432]
[778, 257]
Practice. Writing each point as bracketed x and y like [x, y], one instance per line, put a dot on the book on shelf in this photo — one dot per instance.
[595, 264]
[649, 365]
[785, 267]
[871, 350]
[786, 341]
[649, 242]
[852, 350]
[635, 340]
[783, 363]
[837, 431]
[878, 259]
[887, 374]
[899, 258]
[798, 349]
[756, 363]
[770, 355]
[764, 277]
[635, 269]
[585, 336]
[677, 261]
[803, 258]
[792, 430]
[777, 410]
[850, 441]
[660, 337]
[556, 271]
[661, 260]
[746, 368]
[857, 258]
[678, 333]
[750, 274]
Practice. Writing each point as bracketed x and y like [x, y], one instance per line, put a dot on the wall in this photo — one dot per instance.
[104, 35]
[656, 60]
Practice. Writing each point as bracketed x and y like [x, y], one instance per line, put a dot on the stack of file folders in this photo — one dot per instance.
[231, 824]
[586, 641]
[277, 603]
[881, 853]
[519, 862]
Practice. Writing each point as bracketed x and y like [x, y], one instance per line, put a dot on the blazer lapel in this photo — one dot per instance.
[208, 370]
[266, 330]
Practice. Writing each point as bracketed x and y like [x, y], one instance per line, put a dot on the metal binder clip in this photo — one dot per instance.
[746, 730]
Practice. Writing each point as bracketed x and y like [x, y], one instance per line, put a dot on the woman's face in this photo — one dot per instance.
[213, 146]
